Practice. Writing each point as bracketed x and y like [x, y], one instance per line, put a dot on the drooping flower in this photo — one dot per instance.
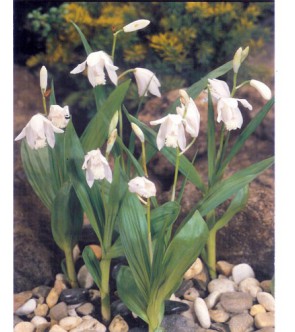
[262, 88]
[138, 132]
[142, 187]
[43, 79]
[136, 25]
[38, 131]
[171, 132]
[59, 116]
[227, 107]
[190, 114]
[96, 63]
[146, 82]
[97, 167]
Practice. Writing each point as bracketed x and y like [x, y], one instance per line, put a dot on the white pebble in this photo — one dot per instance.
[202, 313]
[57, 328]
[241, 272]
[90, 324]
[267, 300]
[222, 285]
[27, 308]
[24, 327]
[195, 269]
[38, 320]
[191, 294]
[212, 299]
[250, 286]
[69, 323]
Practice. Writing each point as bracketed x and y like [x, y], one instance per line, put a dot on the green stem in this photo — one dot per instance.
[105, 265]
[144, 160]
[175, 174]
[148, 217]
[71, 267]
[234, 85]
[114, 43]
[219, 153]
[121, 135]
[44, 103]
[125, 73]
[211, 253]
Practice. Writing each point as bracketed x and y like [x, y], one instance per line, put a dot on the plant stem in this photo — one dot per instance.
[148, 217]
[175, 174]
[144, 160]
[125, 72]
[234, 85]
[121, 135]
[114, 43]
[44, 103]
[71, 267]
[105, 265]
[211, 252]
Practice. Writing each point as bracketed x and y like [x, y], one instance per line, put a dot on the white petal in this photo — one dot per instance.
[262, 88]
[21, 135]
[48, 129]
[156, 122]
[89, 178]
[81, 67]
[181, 137]
[136, 25]
[111, 69]
[219, 88]
[161, 137]
[94, 58]
[245, 103]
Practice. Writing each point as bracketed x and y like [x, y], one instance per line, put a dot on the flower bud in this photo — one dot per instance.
[142, 187]
[138, 132]
[136, 25]
[244, 54]
[184, 97]
[262, 88]
[43, 78]
[237, 60]
[114, 122]
[111, 140]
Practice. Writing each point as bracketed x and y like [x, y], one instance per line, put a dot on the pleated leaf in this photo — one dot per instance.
[211, 145]
[96, 132]
[85, 43]
[92, 264]
[66, 217]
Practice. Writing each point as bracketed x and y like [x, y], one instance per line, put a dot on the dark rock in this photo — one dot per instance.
[220, 327]
[119, 308]
[185, 285]
[178, 323]
[139, 329]
[175, 307]
[74, 295]
[41, 291]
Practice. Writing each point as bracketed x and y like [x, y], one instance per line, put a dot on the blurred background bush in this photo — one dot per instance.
[184, 41]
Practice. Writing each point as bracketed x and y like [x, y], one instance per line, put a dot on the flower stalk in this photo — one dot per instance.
[105, 266]
[71, 267]
[175, 174]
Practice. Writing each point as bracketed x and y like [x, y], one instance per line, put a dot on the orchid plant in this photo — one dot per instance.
[98, 175]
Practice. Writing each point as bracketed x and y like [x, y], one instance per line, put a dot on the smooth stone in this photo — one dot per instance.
[85, 279]
[41, 291]
[256, 309]
[89, 324]
[202, 279]
[59, 311]
[194, 269]
[59, 284]
[189, 314]
[57, 328]
[212, 299]
[266, 329]
[221, 285]
[52, 298]
[185, 285]
[250, 286]
[266, 285]
[94, 295]
[267, 300]
[118, 324]
[220, 327]
[241, 272]
[74, 295]
[191, 294]
[69, 323]
[43, 327]
[38, 320]
[218, 315]
[24, 327]
[27, 308]
[240, 323]
[224, 267]
[21, 298]
[16, 320]
[119, 308]
[85, 309]
[236, 302]
[175, 307]
[265, 319]
[178, 323]
[76, 253]
[202, 313]
[41, 309]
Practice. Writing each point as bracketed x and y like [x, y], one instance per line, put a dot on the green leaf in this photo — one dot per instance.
[66, 217]
[96, 133]
[130, 294]
[185, 166]
[92, 264]
[133, 232]
[251, 127]
[86, 45]
[211, 150]
[182, 251]
[237, 204]
[229, 186]
[52, 100]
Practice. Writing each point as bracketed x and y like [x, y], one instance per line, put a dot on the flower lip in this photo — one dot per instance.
[136, 25]
[59, 116]
[192, 117]
[142, 187]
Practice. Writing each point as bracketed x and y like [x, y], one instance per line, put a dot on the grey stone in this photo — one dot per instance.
[267, 300]
[74, 295]
[265, 319]
[236, 302]
[240, 323]
[16, 320]
[59, 311]
[41, 291]
[84, 277]
[85, 309]
[241, 272]
[221, 285]
[118, 324]
[178, 323]
[27, 308]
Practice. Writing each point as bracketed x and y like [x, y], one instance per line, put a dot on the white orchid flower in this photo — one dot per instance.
[262, 88]
[146, 81]
[38, 131]
[142, 187]
[171, 132]
[136, 25]
[227, 107]
[97, 167]
[59, 116]
[43, 78]
[96, 62]
[191, 116]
